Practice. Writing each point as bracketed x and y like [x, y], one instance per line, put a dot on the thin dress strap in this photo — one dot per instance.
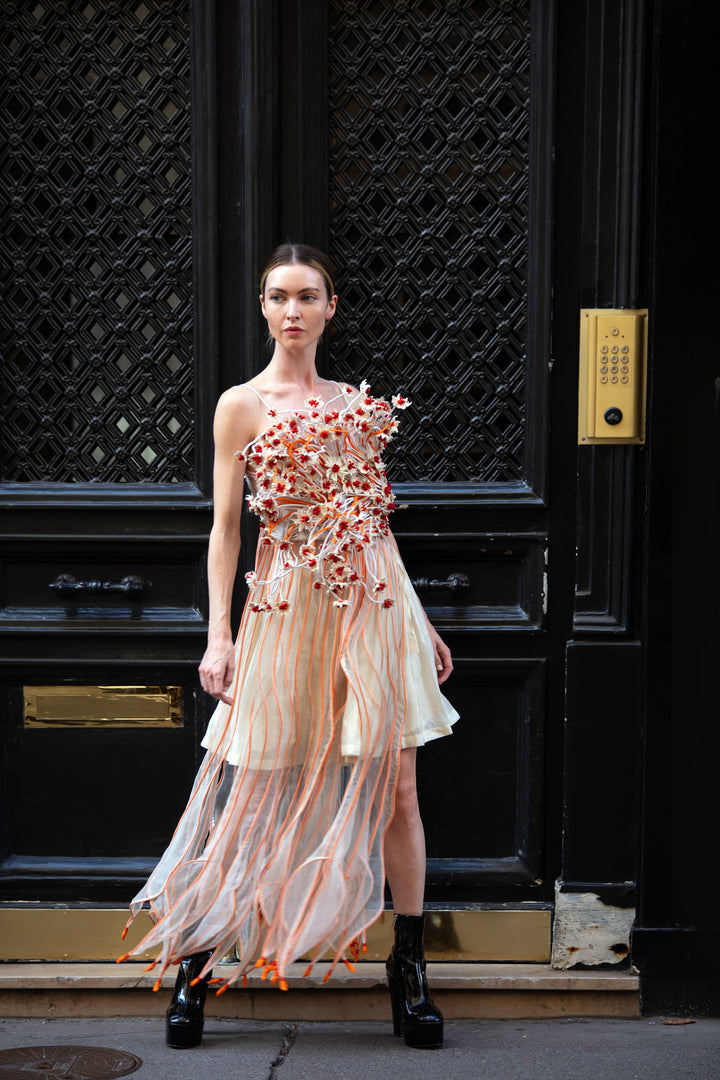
[258, 395]
[266, 403]
[340, 389]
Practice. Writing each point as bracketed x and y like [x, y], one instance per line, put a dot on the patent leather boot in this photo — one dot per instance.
[415, 1016]
[184, 1017]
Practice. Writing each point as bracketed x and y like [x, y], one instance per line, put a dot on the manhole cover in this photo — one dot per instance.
[66, 1063]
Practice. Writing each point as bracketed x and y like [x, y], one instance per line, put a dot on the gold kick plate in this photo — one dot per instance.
[613, 376]
[63, 933]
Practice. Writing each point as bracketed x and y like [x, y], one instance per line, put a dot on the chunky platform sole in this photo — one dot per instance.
[422, 1035]
[183, 1036]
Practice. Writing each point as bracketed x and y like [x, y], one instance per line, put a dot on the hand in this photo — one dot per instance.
[216, 671]
[443, 659]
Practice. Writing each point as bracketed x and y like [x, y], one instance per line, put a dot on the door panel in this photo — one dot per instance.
[108, 371]
[429, 138]
[98, 316]
[482, 787]
[438, 181]
[500, 584]
[435, 222]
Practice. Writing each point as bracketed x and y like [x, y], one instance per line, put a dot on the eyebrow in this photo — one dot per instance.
[305, 288]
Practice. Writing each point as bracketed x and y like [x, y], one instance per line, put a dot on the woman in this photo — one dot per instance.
[306, 797]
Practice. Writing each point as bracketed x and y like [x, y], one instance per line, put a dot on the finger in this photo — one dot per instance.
[447, 664]
[445, 674]
[219, 692]
[219, 684]
[226, 680]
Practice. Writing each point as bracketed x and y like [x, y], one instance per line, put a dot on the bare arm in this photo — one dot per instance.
[236, 421]
[443, 658]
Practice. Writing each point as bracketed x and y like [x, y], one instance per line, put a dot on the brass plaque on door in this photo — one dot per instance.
[102, 706]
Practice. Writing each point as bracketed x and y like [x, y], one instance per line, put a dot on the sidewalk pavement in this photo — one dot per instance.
[555, 1049]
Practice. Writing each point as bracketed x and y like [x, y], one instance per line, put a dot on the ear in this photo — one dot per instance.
[330, 310]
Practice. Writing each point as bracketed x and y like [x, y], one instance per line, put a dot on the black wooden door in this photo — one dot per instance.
[415, 142]
[108, 383]
[451, 158]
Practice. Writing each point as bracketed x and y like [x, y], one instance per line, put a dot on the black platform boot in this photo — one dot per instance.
[184, 1024]
[414, 1014]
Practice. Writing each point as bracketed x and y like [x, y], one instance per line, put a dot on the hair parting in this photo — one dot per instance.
[304, 254]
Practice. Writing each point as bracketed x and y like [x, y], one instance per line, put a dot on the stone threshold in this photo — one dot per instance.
[463, 991]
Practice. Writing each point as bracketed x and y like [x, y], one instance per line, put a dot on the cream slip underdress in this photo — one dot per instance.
[278, 854]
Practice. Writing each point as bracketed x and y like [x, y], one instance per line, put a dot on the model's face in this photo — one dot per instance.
[296, 305]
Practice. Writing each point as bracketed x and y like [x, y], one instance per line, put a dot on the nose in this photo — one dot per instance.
[293, 310]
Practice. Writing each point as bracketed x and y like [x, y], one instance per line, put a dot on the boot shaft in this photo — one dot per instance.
[409, 932]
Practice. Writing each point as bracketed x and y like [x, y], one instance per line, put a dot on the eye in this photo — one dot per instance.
[310, 296]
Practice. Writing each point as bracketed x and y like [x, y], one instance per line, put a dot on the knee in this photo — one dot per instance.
[406, 800]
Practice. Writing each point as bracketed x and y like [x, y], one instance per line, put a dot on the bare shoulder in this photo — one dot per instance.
[238, 415]
[238, 397]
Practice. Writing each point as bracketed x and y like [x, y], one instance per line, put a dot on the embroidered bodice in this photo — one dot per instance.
[319, 487]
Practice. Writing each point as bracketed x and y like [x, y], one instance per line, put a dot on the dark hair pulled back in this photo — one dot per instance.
[289, 254]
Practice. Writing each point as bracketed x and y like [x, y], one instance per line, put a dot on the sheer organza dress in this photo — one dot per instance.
[278, 854]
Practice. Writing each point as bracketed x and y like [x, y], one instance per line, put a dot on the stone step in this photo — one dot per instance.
[463, 991]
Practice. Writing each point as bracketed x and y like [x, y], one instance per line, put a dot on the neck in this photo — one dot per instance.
[296, 368]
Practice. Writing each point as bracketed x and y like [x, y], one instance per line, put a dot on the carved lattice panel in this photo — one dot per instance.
[96, 241]
[429, 139]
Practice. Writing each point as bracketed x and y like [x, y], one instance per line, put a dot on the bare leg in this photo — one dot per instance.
[405, 842]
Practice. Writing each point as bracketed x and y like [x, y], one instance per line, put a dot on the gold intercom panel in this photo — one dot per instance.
[613, 366]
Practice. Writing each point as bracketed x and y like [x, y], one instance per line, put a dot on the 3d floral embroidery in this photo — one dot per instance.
[322, 495]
